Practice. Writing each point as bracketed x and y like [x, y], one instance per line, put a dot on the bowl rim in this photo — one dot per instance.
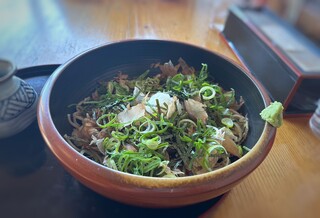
[231, 173]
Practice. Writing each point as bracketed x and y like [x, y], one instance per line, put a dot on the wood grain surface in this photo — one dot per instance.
[53, 31]
[286, 184]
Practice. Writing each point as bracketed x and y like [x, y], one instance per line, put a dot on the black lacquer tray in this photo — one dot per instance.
[34, 184]
[284, 60]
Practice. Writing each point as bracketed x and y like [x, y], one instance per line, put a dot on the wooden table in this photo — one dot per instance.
[286, 184]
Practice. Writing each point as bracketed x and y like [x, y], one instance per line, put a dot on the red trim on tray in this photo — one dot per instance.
[313, 76]
[297, 115]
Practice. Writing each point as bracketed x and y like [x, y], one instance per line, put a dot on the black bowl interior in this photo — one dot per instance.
[78, 77]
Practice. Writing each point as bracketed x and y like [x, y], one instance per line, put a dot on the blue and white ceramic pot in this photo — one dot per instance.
[18, 101]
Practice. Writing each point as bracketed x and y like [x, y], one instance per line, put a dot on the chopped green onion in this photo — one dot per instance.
[227, 122]
[107, 119]
[208, 92]
[152, 142]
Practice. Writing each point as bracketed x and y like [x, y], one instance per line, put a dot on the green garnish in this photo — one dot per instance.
[176, 123]
[273, 114]
[227, 122]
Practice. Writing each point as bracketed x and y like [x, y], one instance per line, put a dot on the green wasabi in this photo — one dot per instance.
[273, 114]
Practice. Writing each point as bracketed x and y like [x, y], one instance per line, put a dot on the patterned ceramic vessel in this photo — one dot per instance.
[18, 101]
